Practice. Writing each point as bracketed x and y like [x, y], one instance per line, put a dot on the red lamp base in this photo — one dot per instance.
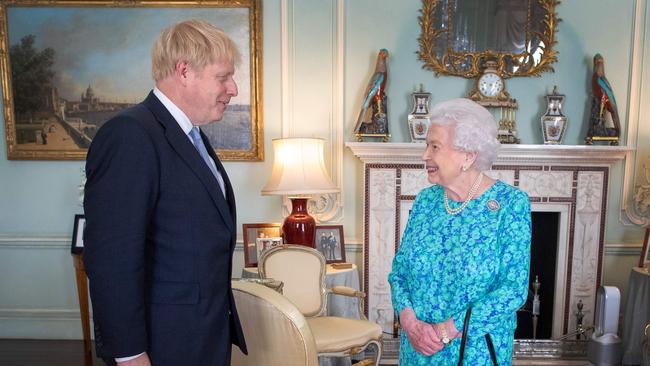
[299, 227]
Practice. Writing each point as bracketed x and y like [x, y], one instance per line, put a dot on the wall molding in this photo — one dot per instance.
[42, 314]
[57, 242]
[35, 242]
[326, 208]
[623, 249]
[633, 165]
[353, 245]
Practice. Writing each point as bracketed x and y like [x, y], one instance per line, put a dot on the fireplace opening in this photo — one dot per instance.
[543, 265]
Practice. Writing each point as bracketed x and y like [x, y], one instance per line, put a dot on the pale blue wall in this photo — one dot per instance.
[38, 200]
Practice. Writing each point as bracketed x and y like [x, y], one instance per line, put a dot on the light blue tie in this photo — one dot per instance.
[200, 146]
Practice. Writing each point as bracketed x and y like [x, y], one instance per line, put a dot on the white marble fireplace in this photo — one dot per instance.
[570, 180]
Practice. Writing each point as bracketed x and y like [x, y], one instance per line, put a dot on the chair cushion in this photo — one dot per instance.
[335, 334]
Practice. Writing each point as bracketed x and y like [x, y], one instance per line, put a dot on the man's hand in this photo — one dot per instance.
[420, 334]
[142, 360]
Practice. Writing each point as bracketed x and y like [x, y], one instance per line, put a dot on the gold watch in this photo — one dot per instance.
[444, 337]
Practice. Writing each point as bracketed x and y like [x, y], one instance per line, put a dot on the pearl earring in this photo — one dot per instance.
[464, 168]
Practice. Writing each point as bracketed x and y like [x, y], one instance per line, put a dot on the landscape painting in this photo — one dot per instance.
[68, 67]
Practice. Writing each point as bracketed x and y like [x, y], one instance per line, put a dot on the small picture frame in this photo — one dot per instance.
[262, 244]
[257, 238]
[329, 240]
[78, 234]
[644, 260]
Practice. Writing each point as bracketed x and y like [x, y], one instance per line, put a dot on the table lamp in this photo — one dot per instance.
[298, 172]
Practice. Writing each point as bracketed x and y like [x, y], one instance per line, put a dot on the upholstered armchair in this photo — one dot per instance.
[302, 270]
[276, 332]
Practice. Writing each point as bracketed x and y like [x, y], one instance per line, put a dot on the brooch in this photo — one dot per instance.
[493, 205]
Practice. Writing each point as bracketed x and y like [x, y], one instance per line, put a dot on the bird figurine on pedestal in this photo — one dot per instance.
[373, 117]
[602, 100]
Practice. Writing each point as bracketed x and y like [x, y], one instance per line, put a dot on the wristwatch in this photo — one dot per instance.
[443, 333]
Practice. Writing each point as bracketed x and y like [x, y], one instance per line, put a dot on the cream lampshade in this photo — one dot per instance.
[298, 172]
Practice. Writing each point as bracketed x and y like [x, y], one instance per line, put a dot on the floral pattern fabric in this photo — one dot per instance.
[479, 258]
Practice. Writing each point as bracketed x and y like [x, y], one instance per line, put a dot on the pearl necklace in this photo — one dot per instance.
[470, 195]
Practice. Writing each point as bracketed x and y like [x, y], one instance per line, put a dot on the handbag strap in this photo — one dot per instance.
[463, 341]
[490, 345]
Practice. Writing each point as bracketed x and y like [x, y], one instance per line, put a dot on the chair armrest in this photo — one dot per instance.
[347, 291]
[350, 292]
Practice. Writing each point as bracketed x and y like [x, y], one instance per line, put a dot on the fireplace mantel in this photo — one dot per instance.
[377, 152]
[571, 180]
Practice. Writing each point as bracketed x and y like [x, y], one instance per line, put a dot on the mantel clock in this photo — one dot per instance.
[489, 90]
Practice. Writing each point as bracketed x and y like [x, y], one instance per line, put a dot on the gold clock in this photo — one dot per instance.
[489, 90]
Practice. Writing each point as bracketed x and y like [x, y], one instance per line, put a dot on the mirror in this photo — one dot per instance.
[458, 36]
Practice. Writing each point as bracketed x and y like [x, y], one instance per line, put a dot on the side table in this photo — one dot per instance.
[84, 310]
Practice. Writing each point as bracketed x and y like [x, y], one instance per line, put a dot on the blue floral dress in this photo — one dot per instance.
[479, 257]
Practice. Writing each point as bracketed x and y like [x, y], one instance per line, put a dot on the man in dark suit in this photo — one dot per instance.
[160, 213]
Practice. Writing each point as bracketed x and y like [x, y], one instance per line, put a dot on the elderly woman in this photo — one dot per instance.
[466, 245]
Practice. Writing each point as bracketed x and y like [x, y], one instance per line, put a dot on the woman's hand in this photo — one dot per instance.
[421, 335]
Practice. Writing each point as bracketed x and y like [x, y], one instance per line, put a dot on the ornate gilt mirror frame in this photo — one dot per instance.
[449, 61]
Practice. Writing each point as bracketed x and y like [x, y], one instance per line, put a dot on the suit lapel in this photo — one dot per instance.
[182, 145]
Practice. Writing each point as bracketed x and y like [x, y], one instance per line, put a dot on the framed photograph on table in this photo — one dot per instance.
[68, 66]
[78, 234]
[258, 237]
[644, 261]
[265, 243]
[329, 241]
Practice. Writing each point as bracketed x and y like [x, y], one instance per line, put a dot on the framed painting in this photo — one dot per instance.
[68, 66]
[78, 234]
[258, 237]
[329, 241]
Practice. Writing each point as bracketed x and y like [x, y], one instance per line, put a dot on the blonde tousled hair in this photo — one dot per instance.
[195, 41]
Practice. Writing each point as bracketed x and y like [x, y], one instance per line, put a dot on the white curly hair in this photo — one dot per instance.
[475, 130]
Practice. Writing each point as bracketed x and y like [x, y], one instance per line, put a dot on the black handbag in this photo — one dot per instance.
[463, 340]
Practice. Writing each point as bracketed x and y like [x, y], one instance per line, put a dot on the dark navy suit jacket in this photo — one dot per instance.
[158, 243]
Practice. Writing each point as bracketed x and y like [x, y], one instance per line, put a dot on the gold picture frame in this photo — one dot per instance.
[438, 54]
[93, 59]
